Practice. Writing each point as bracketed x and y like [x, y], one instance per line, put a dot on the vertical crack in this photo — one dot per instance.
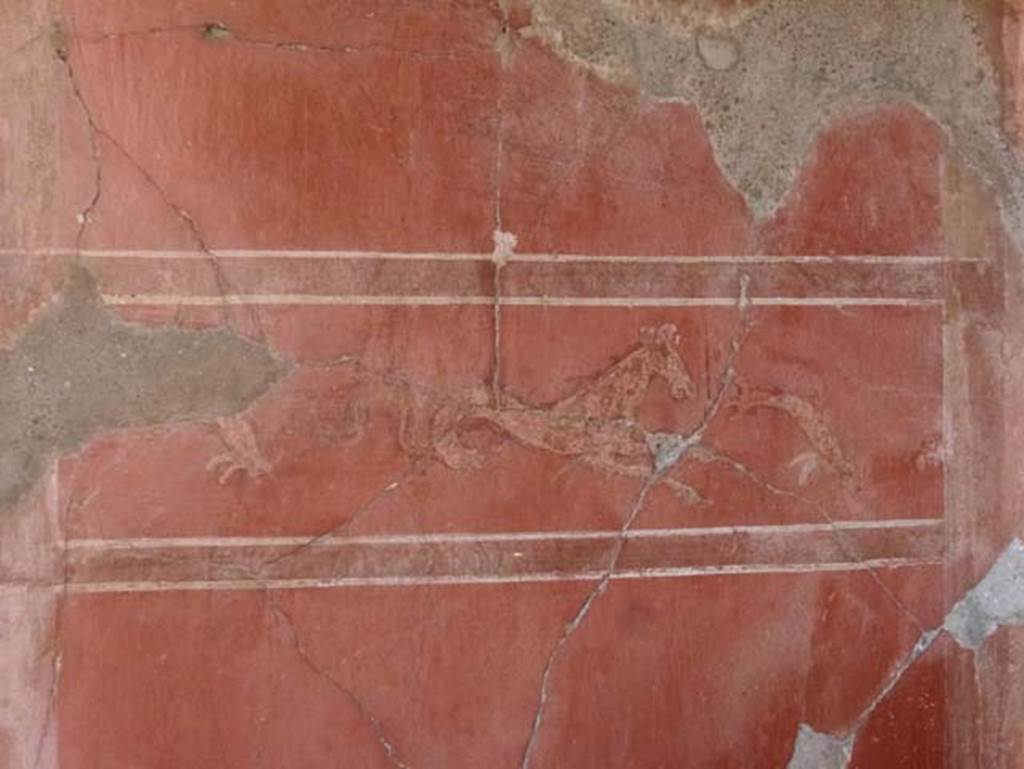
[504, 245]
[61, 598]
[504, 242]
[93, 131]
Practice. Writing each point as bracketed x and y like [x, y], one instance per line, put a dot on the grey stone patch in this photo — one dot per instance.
[667, 449]
[802, 64]
[816, 750]
[78, 368]
[717, 50]
[997, 600]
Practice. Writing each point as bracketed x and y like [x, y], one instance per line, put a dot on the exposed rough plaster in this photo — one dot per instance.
[815, 750]
[996, 601]
[768, 78]
[78, 368]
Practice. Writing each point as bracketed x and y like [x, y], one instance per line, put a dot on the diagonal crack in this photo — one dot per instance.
[667, 450]
[996, 600]
[710, 452]
[388, 748]
[581, 614]
[841, 538]
[820, 750]
[385, 491]
[96, 132]
[20, 48]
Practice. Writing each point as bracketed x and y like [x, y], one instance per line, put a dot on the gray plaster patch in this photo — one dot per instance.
[995, 601]
[815, 750]
[802, 64]
[78, 368]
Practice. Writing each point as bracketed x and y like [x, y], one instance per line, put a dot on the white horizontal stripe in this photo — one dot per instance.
[486, 256]
[589, 576]
[153, 543]
[723, 301]
[175, 300]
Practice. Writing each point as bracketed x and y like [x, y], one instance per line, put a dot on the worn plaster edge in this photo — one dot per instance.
[1005, 179]
[30, 627]
[77, 278]
[284, 366]
[819, 750]
[1004, 176]
[997, 600]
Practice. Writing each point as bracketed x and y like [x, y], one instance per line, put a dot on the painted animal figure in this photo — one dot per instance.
[597, 423]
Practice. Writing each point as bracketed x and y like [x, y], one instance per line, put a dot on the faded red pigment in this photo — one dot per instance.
[448, 536]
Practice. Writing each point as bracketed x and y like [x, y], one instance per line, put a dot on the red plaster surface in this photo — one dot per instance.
[436, 541]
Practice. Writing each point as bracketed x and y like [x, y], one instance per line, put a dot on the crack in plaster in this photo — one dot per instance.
[220, 32]
[388, 748]
[72, 504]
[504, 248]
[578, 619]
[504, 242]
[385, 491]
[996, 601]
[97, 131]
[709, 453]
[77, 368]
[667, 450]
[94, 131]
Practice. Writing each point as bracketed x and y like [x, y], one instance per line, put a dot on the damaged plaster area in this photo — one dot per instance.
[768, 78]
[815, 750]
[78, 369]
[996, 601]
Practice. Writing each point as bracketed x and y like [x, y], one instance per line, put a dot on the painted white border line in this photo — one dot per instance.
[589, 576]
[157, 543]
[456, 256]
[236, 300]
